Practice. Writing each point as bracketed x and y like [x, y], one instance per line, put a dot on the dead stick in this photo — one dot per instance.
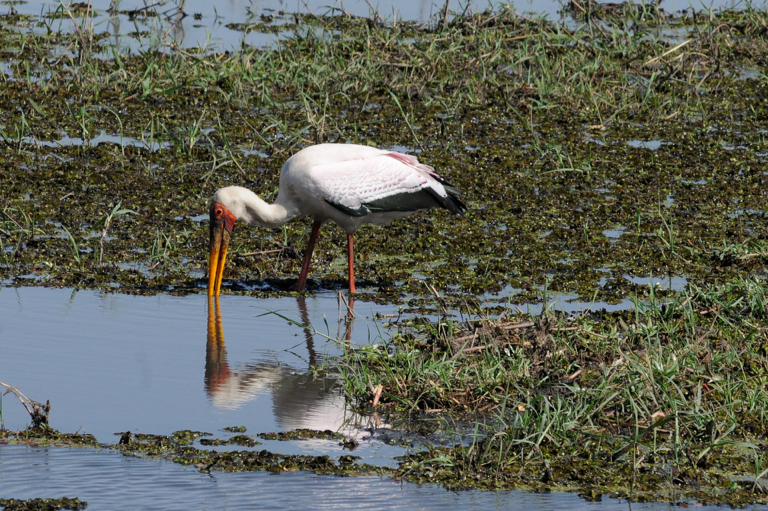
[524, 324]
[38, 412]
[464, 338]
[377, 394]
[261, 252]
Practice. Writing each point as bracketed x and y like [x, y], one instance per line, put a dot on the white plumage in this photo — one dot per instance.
[345, 183]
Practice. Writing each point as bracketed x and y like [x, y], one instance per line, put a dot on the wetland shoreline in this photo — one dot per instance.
[596, 157]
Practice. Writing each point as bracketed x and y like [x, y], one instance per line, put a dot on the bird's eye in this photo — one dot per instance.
[219, 212]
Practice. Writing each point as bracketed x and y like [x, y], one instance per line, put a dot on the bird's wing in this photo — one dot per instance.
[385, 182]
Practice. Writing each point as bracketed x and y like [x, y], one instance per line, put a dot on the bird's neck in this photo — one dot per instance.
[255, 211]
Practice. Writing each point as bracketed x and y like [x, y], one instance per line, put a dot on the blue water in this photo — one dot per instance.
[111, 363]
[109, 481]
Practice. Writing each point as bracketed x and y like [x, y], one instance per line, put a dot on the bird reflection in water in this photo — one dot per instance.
[216, 367]
[300, 399]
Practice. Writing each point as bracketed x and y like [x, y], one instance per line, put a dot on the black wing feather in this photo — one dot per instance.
[426, 198]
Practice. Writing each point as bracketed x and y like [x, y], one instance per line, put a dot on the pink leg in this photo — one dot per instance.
[350, 320]
[351, 257]
[302, 283]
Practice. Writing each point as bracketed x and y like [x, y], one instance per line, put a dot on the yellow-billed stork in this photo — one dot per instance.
[348, 184]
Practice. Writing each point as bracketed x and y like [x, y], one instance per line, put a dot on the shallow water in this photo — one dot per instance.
[203, 23]
[155, 364]
[111, 481]
[111, 362]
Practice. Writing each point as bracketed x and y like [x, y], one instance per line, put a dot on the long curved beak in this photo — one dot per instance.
[222, 224]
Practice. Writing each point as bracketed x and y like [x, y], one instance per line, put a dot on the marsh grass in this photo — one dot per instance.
[106, 222]
[75, 248]
[541, 109]
[502, 58]
[677, 382]
[537, 123]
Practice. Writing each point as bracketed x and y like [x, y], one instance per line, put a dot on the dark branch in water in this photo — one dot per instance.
[38, 412]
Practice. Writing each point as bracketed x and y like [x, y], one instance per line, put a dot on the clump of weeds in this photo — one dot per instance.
[663, 402]
[46, 504]
[179, 448]
[620, 120]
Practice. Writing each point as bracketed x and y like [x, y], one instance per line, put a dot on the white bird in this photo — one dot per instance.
[348, 184]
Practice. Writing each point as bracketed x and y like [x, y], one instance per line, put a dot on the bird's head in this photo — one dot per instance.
[222, 224]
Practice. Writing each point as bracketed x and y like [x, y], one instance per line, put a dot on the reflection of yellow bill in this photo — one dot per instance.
[217, 372]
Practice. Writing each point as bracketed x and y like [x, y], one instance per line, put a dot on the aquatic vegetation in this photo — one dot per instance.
[170, 448]
[663, 402]
[105, 224]
[302, 434]
[597, 158]
[43, 504]
[243, 440]
[556, 132]
[47, 436]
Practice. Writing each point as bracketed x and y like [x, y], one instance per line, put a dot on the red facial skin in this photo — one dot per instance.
[222, 224]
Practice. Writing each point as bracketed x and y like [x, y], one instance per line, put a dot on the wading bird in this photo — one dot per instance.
[348, 184]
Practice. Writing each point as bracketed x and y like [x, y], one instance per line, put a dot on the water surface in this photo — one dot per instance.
[155, 364]
[209, 24]
[109, 481]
